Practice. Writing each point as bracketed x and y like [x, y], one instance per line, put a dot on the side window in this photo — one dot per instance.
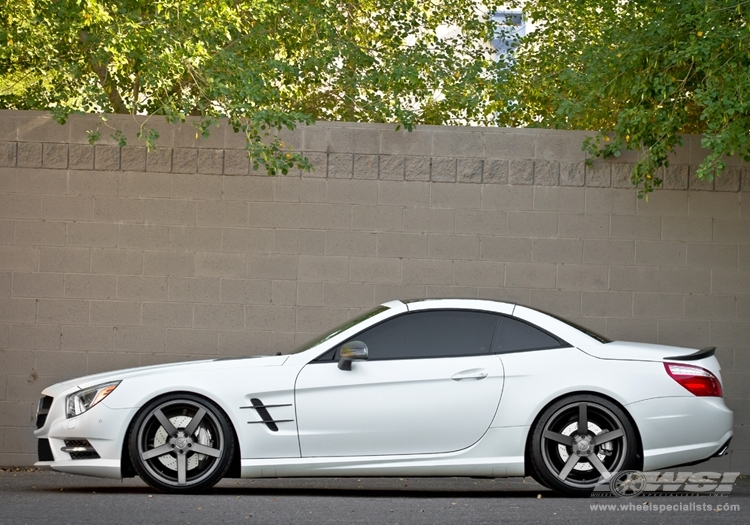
[441, 333]
[514, 335]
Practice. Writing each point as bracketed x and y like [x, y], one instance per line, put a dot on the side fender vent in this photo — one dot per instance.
[264, 414]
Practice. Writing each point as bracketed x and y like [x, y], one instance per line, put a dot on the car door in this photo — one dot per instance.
[430, 385]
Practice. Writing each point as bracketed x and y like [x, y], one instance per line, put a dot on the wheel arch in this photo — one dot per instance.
[127, 470]
[528, 468]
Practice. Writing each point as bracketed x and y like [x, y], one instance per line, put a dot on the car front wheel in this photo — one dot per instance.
[181, 443]
[580, 442]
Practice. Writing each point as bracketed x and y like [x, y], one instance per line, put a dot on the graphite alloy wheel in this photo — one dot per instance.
[580, 442]
[181, 443]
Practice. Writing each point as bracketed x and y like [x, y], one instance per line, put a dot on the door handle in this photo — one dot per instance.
[475, 374]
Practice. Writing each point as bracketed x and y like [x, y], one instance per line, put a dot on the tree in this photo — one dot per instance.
[640, 72]
[264, 65]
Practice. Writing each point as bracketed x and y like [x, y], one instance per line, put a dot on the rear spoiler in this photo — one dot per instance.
[700, 354]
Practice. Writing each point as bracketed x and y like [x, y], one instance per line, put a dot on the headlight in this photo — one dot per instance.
[79, 402]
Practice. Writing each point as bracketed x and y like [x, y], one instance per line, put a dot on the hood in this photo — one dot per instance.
[208, 364]
[623, 350]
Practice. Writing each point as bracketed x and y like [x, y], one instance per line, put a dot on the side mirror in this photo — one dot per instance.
[351, 351]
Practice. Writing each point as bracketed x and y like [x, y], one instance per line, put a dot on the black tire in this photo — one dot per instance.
[194, 437]
[580, 442]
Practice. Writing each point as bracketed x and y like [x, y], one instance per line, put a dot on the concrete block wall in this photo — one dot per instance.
[118, 257]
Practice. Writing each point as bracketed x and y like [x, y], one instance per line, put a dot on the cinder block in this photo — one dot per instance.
[6, 232]
[141, 288]
[319, 163]
[505, 249]
[274, 215]
[144, 185]
[530, 275]
[5, 289]
[311, 294]
[481, 222]
[572, 173]
[67, 207]
[236, 162]
[377, 218]
[116, 313]
[41, 181]
[607, 304]
[676, 177]
[392, 193]
[340, 166]
[29, 155]
[192, 342]
[513, 145]
[365, 167]
[247, 240]
[582, 277]
[285, 241]
[271, 266]
[36, 233]
[19, 444]
[176, 212]
[659, 305]
[699, 229]
[219, 316]
[195, 239]
[92, 183]
[429, 220]
[356, 140]
[143, 237]
[744, 263]
[77, 338]
[14, 362]
[469, 170]
[74, 260]
[478, 273]
[249, 189]
[374, 270]
[185, 160]
[92, 234]
[455, 196]
[583, 226]
[458, 143]
[159, 160]
[210, 264]
[18, 258]
[85, 286]
[664, 203]
[507, 197]
[287, 189]
[194, 290]
[118, 210]
[731, 231]
[648, 253]
[521, 172]
[313, 190]
[385, 292]
[122, 262]
[696, 184]
[106, 158]
[8, 154]
[211, 161]
[348, 294]
[8, 180]
[691, 334]
[559, 302]
[20, 206]
[355, 244]
[495, 171]
[707, 307]
[634, 278]
[532, 224]
[325, 216]
[417, 168]
[62, 311]
[724, 256]
[322, 269]
[55, 156]
[103, 361]
[221, 213]
[312, 242]
[316, 319]
[81, 157]
[609, 252]
[196, 187]
[729, 180]
[453, 246]
[246, 291]
[635, 227]
[599, 174]
[402, 142]
[685, 280]
[427, 271]
[255, 343]
[443, 169]
[730, 282]
[603, 200]
[628, 329]
[352, 192]
[710, 204]
[168, 263]
[391, 244]
[140, 339]
[36, 337]
[546, 172]
[558, 250]
[133, 158]
[37, 284]
[558, 199]
[171, 315]
[621, 175]
[440, 291]
[391, 168]
[273, 318]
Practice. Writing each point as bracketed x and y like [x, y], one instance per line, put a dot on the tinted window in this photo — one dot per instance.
[516, 336]
[443, 333]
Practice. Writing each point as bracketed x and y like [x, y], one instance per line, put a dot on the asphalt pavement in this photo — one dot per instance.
[31, 496]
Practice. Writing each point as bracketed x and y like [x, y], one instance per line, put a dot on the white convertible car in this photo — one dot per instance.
[433, 387]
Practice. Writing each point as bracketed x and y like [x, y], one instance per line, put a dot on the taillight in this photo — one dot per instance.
[696, 380]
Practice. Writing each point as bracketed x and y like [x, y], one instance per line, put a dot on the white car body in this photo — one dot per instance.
[443, 416]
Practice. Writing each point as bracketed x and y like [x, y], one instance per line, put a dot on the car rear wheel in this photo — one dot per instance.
[181, 443]
[580, 442]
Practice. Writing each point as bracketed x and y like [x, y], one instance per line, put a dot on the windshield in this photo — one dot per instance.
[331, 333]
